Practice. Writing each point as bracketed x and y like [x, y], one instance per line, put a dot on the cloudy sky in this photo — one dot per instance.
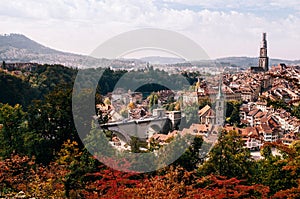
[221, 27]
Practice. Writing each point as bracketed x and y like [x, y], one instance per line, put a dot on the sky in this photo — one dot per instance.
[221, 27]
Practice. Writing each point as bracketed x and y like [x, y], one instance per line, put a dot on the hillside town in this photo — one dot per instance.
[262, 113]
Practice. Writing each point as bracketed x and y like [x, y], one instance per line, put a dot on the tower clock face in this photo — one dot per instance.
[219, 108]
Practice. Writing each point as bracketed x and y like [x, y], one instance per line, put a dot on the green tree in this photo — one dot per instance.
[52, 122]
[191, 114]
[233, 112]
[277, 104]
[153, 101]
[78, 163]
[191, 157]
[15, 90]
[279, 172]
[266, 152]
[203, 102]
[228, 157]
[235, 117]
[134, 144]
[296, 111]
[13, 127]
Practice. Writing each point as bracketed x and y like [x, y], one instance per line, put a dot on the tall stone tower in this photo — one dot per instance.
[263, 55]
[220, 107]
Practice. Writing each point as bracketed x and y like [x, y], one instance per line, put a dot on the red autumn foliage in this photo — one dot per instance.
[288, 194]
[19, 173]
[16, 172]
[110, 183]
[220, 187]
[173, 184]
[23, 174]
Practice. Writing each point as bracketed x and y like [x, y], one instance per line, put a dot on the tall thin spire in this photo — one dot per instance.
[220, 94]
[263, 54]
[264, 40]
[220, 104]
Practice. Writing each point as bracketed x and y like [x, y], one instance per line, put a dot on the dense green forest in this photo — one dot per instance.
[22, 90]
[43, 156]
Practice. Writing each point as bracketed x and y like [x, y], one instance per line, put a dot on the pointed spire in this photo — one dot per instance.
[220, 94]
[264, 40]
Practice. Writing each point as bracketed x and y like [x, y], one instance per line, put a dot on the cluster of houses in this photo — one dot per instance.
[269, 124]
[239, 86]
[261, 123]
[286, 84]
[281, 82]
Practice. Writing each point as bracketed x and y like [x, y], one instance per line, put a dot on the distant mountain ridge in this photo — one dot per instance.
[19, 48]
[162, 60]
[253, 61]
[19, 41]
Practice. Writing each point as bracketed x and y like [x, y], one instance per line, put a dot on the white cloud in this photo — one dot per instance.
[224, 28]
[240, 4]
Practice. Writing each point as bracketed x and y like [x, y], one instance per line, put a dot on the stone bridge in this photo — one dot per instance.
[140, 128]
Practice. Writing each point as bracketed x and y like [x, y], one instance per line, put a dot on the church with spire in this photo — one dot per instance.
[216, 117]
[263, 62]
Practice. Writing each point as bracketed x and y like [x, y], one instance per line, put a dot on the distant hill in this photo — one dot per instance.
[162, 60]
[19, 48]
[252, 61]
[18, 41]
[241, 62]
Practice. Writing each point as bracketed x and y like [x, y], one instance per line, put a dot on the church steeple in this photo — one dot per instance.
[263, 55]
[220, 105]
[220, 94]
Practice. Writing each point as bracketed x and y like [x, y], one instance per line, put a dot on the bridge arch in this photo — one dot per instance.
[121, 134]
[143, 128]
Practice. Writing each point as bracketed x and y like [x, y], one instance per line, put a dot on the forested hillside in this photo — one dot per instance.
[22, 89]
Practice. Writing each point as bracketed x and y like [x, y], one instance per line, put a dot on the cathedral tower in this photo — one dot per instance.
[263, 55]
